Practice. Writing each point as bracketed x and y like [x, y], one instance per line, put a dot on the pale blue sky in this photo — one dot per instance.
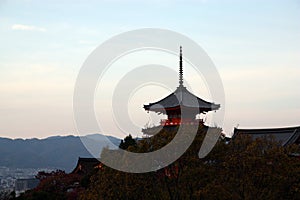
[255, 45]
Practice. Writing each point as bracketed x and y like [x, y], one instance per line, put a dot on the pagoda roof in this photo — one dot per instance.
[288, 135]
[181, 97]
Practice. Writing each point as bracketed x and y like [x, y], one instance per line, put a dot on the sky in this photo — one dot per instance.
[255, 46]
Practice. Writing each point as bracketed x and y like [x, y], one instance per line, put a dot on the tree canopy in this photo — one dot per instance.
[242, 169]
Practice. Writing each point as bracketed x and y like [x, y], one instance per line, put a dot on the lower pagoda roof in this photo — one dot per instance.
[181, 97]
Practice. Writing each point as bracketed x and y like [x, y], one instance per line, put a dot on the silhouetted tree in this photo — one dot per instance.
[127, 142]
[242, 169]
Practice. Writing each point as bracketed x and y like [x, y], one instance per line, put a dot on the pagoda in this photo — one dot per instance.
[181, 106]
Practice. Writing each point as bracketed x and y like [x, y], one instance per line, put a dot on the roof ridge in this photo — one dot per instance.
[292, 137]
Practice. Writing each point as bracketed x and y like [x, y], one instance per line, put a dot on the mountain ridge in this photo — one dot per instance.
[59, 152]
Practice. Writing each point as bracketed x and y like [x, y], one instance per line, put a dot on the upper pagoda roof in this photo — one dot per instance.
[181, 97]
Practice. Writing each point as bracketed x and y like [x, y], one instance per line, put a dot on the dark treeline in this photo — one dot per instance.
[242, 169]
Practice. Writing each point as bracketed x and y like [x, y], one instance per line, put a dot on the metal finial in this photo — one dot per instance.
[180, 69]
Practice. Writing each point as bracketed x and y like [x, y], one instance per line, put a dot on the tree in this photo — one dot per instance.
[127, 142]
[6, 195]
[55, 185]
[242, 169]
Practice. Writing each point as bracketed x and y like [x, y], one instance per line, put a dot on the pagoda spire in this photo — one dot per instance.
[180, 68]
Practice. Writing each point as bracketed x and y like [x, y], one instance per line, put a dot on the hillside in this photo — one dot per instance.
[59, 152]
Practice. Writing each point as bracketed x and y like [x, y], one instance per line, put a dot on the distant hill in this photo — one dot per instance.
[59, 152]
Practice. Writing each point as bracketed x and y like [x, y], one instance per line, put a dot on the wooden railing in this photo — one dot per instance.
[178, 121]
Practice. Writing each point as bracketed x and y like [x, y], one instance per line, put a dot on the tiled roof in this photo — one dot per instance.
[286, 136]
[182, 97]
[85, 165]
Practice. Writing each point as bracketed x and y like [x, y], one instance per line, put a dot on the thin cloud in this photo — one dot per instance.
[23, 27]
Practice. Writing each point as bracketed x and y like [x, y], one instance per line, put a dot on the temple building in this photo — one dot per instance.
[286, 136]
[181, 106]
[86, 165]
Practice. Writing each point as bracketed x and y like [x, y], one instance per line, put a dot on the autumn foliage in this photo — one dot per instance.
[241, 169]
